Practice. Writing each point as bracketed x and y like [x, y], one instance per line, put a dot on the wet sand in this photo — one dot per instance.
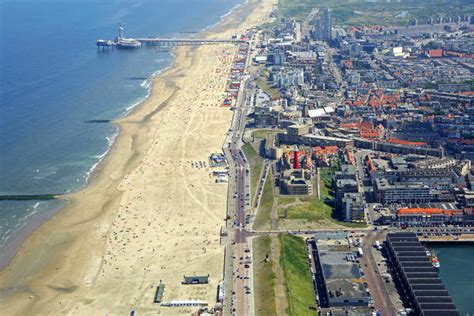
[151, 212]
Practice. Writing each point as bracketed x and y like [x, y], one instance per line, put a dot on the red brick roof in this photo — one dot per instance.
[435, 53]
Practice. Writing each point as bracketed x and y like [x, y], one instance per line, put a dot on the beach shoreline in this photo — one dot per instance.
[17, 239]
[65, 265]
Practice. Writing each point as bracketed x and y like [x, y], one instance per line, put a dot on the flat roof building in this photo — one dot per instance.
[424, 290]
[429, 216]
[343, 281]
[401, 192]
[353, 207]
[196, 279]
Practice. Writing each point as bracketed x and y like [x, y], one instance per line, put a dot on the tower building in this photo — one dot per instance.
[327, 25]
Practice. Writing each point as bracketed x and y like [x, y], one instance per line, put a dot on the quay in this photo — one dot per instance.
[448, 239]
[121, 42]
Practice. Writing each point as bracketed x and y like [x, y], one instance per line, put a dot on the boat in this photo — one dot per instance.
[435, 261]
[128, 43]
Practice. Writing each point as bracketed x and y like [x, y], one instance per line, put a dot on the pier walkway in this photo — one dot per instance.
[121, 42]
[147, 41]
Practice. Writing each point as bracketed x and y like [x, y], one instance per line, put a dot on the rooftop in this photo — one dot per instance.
[341, 274]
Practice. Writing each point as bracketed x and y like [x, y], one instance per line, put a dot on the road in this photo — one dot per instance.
[240, 274]
[239, 200]
[377, 287]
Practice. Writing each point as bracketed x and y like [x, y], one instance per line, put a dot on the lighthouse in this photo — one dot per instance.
[296, 163]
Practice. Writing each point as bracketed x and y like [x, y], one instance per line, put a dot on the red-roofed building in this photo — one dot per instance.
[347, 64]
[370, 165]
[406, 142]
[435, 53]
[433, 216]
[324, 151]
[350, 157]
[374, 102]
[349, 125]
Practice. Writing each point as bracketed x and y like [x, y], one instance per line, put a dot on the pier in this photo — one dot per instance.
[181, 41]
[29, 197]
[121, 42]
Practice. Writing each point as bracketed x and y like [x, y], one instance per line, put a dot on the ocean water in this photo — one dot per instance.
[53, 79]
[457, 273]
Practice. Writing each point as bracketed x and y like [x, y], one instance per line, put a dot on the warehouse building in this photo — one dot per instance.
[419, 280]
[343, 283]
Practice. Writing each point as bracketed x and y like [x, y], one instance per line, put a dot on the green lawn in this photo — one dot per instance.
[314, 210]
[286, 200]
[271, 91]
[311, 210]
[264, 277]
[263, 133]
[294, 262]
[326, 176]
[263, 220]
[256, 165]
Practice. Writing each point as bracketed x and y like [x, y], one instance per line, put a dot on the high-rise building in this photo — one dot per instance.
[297, 32]
[279, 56]
[318, 30]
[327, 25]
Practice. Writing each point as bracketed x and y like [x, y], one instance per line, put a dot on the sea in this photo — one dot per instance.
[457, 273]
[53, 80]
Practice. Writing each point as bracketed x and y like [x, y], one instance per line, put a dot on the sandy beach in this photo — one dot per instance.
[152, 211]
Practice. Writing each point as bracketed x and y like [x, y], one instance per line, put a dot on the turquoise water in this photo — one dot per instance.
[53, 79]
[457, 274]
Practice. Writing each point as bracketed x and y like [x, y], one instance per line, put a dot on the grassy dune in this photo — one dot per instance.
[299, 285]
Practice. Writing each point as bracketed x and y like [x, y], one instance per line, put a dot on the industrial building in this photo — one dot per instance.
[343, 283]
[419, 280]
